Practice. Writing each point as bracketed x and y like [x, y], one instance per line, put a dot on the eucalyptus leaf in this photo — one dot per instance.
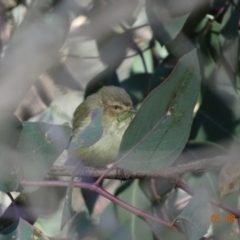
[91, 134]
[195, 217]
[10, 129]
[40, 144]
[9, 170]
[33, 48]
[117, 223]
[23, 231]
[112, 48]
[161, 128]
[162, 232]
[229, 36]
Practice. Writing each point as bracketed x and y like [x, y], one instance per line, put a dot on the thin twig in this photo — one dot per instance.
[223, 206]
[105, 194]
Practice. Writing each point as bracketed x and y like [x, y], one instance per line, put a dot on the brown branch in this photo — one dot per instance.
[172, 173]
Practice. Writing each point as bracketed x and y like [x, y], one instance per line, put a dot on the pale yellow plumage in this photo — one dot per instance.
[115, 103]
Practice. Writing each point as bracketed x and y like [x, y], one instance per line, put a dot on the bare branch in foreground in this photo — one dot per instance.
[172, 173]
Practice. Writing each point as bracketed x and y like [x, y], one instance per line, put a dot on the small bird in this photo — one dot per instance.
[117, 114]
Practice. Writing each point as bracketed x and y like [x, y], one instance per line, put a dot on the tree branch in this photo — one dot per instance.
[172, 173]
[107, 195]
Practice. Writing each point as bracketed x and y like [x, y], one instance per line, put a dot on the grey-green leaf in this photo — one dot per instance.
[40, 145]
[117, 223]
[91, 134]
[195, 217]
[160, 130]
[22, 232]
[229, 36]
[9, 169]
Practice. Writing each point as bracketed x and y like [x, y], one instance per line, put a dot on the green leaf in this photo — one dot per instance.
[156, 189]
[40, 145]
[23, 231]
[162, 232]
[91, 134]
[195, 217]
[68, 211]
[161, 128]
[82, 227]
[9, 170]
[10, 128]
[117, 223]
[229, 36]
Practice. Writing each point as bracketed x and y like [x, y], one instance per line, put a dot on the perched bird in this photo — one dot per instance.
[117, 115]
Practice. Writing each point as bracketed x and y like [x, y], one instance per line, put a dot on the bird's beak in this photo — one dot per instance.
[133, 110]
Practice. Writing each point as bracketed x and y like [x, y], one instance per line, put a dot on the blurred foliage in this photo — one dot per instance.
[160, 51]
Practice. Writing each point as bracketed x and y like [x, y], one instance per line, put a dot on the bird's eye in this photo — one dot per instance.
[116, 107]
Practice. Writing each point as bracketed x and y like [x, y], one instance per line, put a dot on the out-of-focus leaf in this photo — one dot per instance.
[214, 124]
[159, 75]
[196, 150]
[34, 47]
[112, 15]
[62, 107]
[123, 187]
[23, 231]
[112, 48]
[9, 169]
[166, 25]
[162, 232]
[229, 177]
[40, 145]
[151, 144]
[68, 211]
[43, 203]
[10, 128]
[229, 39]
[195, 217]
[155, 189]
[206, 59]
[212, 40]
[82, 227]
[117, 223]
[137, 87]
[105, 78]
[91, 134]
